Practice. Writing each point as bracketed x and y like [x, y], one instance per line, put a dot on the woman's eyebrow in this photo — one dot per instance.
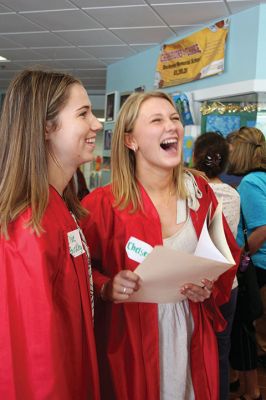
[82, 107]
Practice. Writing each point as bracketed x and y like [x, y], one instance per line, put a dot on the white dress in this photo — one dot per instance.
[230, 203]
[230, 200]
[175, 320]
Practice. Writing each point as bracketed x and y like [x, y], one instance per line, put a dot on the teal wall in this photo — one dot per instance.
[261, 55]
[245, 45]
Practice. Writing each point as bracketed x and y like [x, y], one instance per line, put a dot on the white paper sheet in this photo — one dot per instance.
[165, 271]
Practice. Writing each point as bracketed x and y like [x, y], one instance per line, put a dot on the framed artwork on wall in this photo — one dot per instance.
[111, 106]
[123, 97]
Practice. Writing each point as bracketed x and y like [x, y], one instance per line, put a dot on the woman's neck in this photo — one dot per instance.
[157, 183]
[57, 177]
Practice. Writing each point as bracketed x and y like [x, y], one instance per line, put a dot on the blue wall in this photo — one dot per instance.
[261, 56]
[241, 63]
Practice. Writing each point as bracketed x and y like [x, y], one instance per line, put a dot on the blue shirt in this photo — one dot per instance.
[252, 190]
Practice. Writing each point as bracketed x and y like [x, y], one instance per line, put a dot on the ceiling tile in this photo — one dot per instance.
[143, 35]
[106, 3]
[95, 73]
[62, 53]
[110, 51]
[109, 61]
[37, 5]
[21, 54]
[6, 43]
[141, 47]
[181, 30]
[37, 39]
[4, 9]
[90, 37]
[163, 2]
[125, 16]
[184, 14]
[65, 19]
[83, 64]
[51, 64]
[9, 66]
[17, 23]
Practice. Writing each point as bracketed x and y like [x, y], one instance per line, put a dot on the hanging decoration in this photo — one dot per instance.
[216, 106]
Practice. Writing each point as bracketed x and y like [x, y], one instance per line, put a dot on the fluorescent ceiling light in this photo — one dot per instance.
[2, 59]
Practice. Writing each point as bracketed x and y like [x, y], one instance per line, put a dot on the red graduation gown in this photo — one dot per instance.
[47, 347]
[127, 334]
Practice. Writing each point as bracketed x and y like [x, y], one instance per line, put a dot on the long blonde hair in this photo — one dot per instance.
[33, 98]
[123, 162]
[248, 151]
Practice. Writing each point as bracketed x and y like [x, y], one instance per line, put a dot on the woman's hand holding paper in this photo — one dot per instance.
[121, 287]
[197, 293]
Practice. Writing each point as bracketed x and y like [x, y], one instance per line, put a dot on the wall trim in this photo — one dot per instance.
[230, 89]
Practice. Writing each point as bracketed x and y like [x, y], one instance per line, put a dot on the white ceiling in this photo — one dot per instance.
[84, 36]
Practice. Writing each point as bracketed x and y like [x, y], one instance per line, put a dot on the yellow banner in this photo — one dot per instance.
[195, 57]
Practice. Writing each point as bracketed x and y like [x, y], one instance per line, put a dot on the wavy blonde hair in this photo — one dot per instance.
[123, 163]
[33, 98]
[248, 151]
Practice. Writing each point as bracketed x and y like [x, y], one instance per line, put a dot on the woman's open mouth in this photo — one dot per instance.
[169, 144]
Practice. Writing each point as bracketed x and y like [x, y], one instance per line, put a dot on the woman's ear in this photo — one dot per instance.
[130, 142]
[49, 128]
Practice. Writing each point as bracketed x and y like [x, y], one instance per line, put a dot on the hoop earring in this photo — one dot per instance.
[134, 148]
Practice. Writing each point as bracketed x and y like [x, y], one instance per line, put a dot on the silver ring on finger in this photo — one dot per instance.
[124, 290]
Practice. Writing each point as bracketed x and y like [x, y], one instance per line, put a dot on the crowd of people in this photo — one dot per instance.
[70, 328]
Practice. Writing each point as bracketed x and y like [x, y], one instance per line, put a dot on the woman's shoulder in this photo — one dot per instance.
[255, 180]
[198, 179]
[255, 176]
[224, 189]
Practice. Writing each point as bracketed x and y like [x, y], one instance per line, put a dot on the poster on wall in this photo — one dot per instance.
[195, 57]
[182, 103]
[188, 150]
[111, 106]
[223, 123]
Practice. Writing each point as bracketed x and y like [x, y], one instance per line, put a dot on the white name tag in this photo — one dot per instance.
[75, 243]
[137, 250]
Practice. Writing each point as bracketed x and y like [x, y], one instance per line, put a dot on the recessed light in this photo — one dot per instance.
[3, 59]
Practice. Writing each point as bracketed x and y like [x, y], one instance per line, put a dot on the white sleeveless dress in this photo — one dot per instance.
[175, 320]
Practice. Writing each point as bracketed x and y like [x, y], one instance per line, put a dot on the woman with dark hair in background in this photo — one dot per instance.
[248, 158]
[47, 348]
[210, 156]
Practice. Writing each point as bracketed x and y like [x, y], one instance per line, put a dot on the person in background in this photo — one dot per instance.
[151, 351]
[226, 177]
[47, 346]
[248, 158]
[210, 156]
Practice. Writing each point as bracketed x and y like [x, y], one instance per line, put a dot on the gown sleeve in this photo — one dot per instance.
[29, 266]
